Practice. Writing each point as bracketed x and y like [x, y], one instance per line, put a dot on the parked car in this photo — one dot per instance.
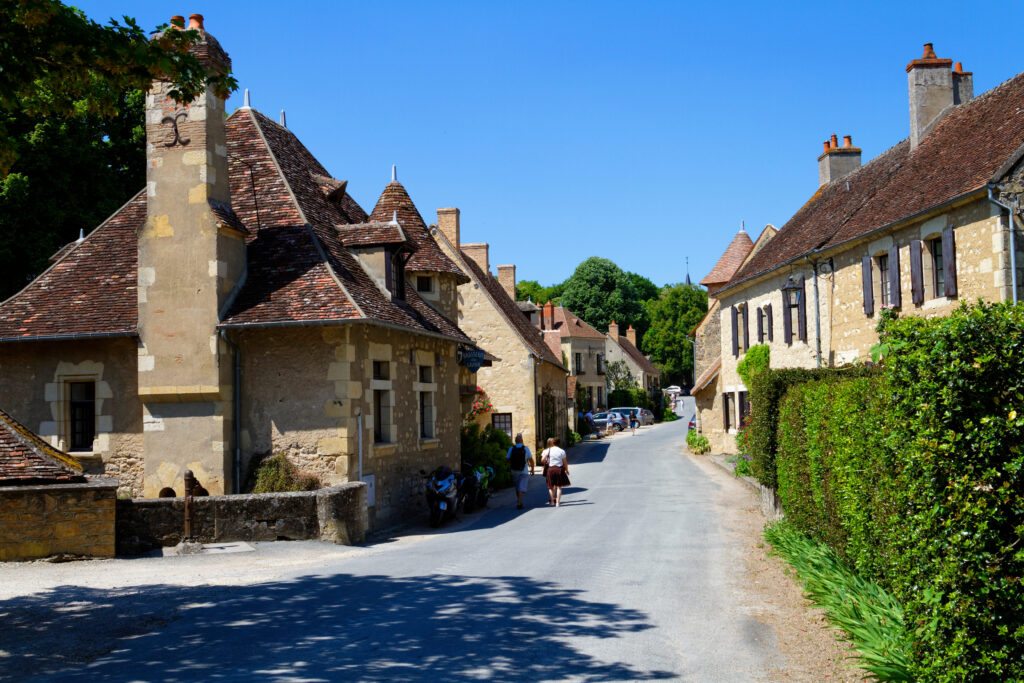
[644, 417]
[674, 389]
[618, 422]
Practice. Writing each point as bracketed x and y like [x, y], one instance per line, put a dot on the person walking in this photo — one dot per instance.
[557, 463]
[632, 421]
[520, 461]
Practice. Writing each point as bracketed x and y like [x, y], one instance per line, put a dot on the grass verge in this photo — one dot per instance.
[871, 618]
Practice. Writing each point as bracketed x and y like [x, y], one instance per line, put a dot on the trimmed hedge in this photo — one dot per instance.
[915, 477]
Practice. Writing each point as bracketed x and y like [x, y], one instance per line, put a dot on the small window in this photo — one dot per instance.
[579, 364]
[426, 414]
[600, 364]
[744, 408]
[81, 415]
[424, 283]
[727, 408]
[381, 416]
[381, 369]
[426, 374]
[600, 397]
[502, 421]
[938, 273]
[883, 276]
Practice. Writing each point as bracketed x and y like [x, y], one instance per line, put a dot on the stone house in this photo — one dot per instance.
[525, 380]
[583, 348]
[242, 304]
[930, 223]
[47, 506]
[624, 348]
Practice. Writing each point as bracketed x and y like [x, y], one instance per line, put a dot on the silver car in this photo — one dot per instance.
[643, 416]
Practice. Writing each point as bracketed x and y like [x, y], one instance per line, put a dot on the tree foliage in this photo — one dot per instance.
[676, 311]
[600, 292]
[58, 62]
[537, 293]
[618, 376]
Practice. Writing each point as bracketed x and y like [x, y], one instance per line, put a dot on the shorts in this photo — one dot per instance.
[519, 481]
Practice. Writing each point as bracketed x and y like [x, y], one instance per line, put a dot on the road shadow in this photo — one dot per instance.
[317, 628]
[588, 451]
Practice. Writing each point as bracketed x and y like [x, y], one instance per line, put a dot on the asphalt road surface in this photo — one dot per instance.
[633, 578]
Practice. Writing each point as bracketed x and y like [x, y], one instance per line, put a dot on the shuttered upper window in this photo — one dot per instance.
[938, 275]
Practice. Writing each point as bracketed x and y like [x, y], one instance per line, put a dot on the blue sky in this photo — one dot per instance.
[643, 132]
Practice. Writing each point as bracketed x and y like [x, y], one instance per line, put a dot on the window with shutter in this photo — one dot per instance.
[883, 278]
[867, 288]
[787, 321]
[895, 296]
[735, 332]
[949, 261]
[938, 269]
[746, 328]
[801, 311]
[768, 321]
[916, 273]
[760, 325]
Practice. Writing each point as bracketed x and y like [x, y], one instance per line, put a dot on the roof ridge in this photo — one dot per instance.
[302, 214]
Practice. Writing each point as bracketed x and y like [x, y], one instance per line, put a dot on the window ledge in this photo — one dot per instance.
[429, 444]
[385, 448]
[85, 455]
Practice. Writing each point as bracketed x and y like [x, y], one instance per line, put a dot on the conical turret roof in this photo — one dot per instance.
[731, 260]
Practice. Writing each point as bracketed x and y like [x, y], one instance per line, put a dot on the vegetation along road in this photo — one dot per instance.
[635, 577]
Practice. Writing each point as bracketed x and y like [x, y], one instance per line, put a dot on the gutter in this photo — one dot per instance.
[72, 337]
[1010, 213]
[342, 321]
[236, 396]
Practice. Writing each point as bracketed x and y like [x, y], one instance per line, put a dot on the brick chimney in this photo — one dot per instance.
[963, 84]
[448, 224]
[631, 335]
[836, 162]
[507, 279]
[930, 83]
[189, 263]
[613, 330]
[478, 253]
[549, 316]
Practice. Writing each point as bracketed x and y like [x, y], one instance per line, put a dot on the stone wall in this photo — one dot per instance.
[33, 387]
[306, 391]
[708, 339]
[73, 519]
[336, 514]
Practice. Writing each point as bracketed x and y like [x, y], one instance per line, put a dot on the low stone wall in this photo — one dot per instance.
[57, 519]
[336, 514]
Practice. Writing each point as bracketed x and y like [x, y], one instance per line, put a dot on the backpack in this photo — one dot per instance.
[517, 461]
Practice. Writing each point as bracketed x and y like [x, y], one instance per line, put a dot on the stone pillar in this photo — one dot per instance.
[189, 263]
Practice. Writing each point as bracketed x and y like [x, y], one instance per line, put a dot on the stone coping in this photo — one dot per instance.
[91, 485]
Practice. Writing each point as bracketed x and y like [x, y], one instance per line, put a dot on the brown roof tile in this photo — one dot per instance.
[963, 153]
[27, 459]
[640, 359]
[730, 261]
[428, 257]
[568, 324]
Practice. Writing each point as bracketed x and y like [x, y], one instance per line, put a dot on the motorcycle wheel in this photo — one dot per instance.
[435, 516]
[468, 505]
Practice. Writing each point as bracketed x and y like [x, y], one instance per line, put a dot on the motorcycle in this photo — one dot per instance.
[484, 478]
[468, 488]
[442, 494]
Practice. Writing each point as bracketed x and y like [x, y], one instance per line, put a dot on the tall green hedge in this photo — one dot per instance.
[915, 476]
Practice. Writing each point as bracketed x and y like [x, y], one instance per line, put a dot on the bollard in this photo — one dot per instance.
[190, 482]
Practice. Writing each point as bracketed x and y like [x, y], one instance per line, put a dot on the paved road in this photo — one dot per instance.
[633, 578]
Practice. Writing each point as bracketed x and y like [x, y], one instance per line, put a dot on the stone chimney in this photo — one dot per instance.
[507, 279]
[478, 253]
[448, 224]
[963, 84]
[631, 335]
[930, 83]
[613, 331]
[836, 162]
[189, 263]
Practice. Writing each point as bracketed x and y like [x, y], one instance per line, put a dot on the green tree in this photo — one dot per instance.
[537, 293]
[618, 376]
[600, 292]
[645, 289]
[676, 311]
[58, 62]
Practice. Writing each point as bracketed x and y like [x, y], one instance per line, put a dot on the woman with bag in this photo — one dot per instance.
[557, 464]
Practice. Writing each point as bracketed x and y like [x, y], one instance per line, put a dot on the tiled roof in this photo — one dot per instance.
[533, 337]
[90, 290]
[27, 459]
[298, 267]
[371, 234]
[963, 153]
[428, 256]
[554, 342]
[568, 324]
[705, 377]
[730, 261]
[640, 359]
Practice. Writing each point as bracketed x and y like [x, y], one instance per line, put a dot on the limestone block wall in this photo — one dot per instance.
[74, 519]
[306, 391]
[708, 339]
[982, 265]
[33, 387]
[709, 416]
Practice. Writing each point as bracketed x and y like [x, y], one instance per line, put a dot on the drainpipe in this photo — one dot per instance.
[237, 398]
[817, 310]
[1010, 211]
[536, 399]
[359, 439]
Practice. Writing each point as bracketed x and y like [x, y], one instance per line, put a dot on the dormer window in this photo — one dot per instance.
[395, 274]
[424, 284]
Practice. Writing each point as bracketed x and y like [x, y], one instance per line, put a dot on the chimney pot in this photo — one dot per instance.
[631, 335]
[833, 141]
[195, 21]
[178, 21]
[826, 148]
[958, 67]
[929, 51]
[837, 162]
[847, 141]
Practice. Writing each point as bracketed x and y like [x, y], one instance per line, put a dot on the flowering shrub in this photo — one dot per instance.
[481, 404]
